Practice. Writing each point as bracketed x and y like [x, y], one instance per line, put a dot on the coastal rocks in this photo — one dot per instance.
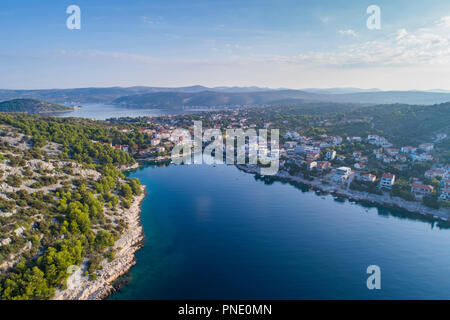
[79, 287]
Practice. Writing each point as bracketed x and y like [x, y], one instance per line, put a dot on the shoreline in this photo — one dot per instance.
[79, 287]
[359, 196]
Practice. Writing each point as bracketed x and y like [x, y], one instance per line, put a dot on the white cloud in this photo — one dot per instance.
[444, 22]
[348, 32]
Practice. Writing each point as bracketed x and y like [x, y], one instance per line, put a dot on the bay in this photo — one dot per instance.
[219, 233]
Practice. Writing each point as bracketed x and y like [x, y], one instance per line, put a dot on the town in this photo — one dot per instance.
[369, 163]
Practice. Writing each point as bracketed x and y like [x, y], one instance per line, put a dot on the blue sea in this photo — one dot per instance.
[214, 232]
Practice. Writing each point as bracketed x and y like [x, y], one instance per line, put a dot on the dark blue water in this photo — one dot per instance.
[216, 232]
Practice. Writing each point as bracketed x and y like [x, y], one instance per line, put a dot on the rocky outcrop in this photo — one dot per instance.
[79, 287]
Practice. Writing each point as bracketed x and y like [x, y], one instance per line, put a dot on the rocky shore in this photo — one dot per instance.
[79, 287]
[339, 190]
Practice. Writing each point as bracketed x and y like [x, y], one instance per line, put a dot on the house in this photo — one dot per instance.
[311, 165]
[340, 158]
[343, 171]
[353, 139]
[445, 184]
[323, 165]
[336, 140]
[147, 131]
[379, 141]
[378, 153]
[357, 154]
[363, 159]
[155, 141]
[421, 189]
[160, 149]
[392, 151]
[400, 157]
[445, 195]
[421, 157]
[387, 180]
[291, 144]
[312, 155]
[359, 166]
[292, 135]
[342, 174]
[427, 147]
[330, 155]
[368, 177]
[387, 159]
[122, 147]
[430, 174]
[144, 152]
[408, 149]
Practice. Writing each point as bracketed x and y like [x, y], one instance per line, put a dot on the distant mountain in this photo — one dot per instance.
[391, 97]
[177, 100]
[340, 90]
[102, 95]
[32, 106]
[185, 97]
[171, 100]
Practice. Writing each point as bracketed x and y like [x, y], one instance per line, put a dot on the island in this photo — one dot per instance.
[34, 106]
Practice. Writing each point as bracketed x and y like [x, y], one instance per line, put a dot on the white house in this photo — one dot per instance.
[330, 155]
[368, 177]
[387, 180]
[445, 195]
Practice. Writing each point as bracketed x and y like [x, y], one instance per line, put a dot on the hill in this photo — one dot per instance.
[32, 106]
[185, 97]
[177, 100]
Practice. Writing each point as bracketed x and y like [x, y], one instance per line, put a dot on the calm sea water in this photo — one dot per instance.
[103, 111]
[216, 232]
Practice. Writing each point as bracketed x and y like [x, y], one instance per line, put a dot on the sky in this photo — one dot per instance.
[277, 44]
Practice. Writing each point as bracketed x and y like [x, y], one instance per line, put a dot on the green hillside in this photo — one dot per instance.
[32, 106]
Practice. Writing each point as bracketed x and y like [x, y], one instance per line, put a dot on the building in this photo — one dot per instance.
[430, 174]
[311, 165]
[352, 139]
[122, 147]
[421, 189]
[392, 151]
[356, 155]
[343, 171]
[427, 147]
[387, 159]
[387, 180]
[340, 158]
[400, 157]
[155, 141]
[291, 144]
[330, 155]
[342, 174]
[323, 165]
[445, 195]
[368, 177]
[422, 157]
[359, 166]
[408, 149]
[364, 159]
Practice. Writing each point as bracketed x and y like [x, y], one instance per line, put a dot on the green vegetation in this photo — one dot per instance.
[32, 106]
[72, 223]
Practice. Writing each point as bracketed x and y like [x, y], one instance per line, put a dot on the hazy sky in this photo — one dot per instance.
[295, 44]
